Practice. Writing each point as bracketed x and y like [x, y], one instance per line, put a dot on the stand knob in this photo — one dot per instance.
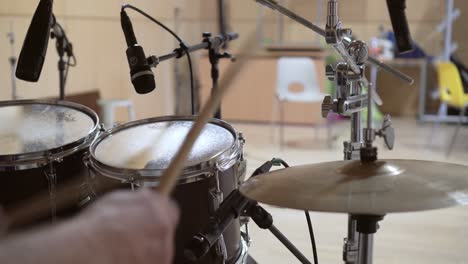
[330, 72]
[327, 106]
[387, 132]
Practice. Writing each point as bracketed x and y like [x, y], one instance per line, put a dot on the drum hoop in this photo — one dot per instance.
[193, 173]
[40, 158]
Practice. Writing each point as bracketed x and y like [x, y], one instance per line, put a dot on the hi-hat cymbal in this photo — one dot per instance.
[353, 187]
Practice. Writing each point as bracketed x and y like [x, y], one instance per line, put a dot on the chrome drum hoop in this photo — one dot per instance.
[190, 174]
[41, 158]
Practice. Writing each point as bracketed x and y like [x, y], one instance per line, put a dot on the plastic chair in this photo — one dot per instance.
[296, 70]
[108, 107]
[452, 94]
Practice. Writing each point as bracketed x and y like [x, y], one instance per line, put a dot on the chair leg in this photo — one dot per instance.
[440, 113]
[273, 123]
[281, 106]
[457, 129]
[316, 132]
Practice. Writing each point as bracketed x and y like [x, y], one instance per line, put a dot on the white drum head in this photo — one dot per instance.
[38, 127]
[152, 145]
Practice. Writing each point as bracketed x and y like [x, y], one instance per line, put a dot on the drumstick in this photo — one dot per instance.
[169, 178]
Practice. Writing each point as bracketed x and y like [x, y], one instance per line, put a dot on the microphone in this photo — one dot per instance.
[231, 207]
[140, 71]
[396, 8]
[33, 52]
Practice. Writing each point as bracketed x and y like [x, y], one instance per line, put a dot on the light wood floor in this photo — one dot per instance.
[427, 237]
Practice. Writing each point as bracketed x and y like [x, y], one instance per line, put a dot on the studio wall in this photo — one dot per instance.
[94, 29]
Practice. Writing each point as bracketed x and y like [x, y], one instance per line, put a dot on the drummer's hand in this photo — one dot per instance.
[132, 227]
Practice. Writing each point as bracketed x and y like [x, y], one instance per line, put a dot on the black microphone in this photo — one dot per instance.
[231, 207]
[396, 8]
[140, 71]
[32, 56]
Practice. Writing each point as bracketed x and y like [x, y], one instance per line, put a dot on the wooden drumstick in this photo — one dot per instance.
[169, 178]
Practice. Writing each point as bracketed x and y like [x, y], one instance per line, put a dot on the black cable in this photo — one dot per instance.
[312, 236]
[192, 86]
[309, 221]
[182, 45]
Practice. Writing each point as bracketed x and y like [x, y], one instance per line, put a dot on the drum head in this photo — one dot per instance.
[152, 144]
[39, 126]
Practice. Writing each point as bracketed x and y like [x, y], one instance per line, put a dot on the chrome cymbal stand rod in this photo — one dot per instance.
[348, 100]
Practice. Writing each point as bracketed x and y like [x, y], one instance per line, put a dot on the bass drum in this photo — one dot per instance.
[137, 154]
[42, 145]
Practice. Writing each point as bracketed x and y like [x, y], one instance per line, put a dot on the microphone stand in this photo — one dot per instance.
[215, 55]
[236, 205]
[13, 60]
[64, 47]
[264, 220]
[213, 45]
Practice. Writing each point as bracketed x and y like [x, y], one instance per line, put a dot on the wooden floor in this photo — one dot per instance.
[427, 237]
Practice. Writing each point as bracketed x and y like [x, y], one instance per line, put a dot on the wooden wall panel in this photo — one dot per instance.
[252, 95]
[94, 28]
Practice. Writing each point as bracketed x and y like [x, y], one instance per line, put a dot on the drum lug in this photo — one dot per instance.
[241, 138]
[51, 177]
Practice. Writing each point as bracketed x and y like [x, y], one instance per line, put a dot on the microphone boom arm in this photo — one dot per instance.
[210, 43]
[274, 5]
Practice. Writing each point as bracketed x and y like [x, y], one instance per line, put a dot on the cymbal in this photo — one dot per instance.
[378, 188]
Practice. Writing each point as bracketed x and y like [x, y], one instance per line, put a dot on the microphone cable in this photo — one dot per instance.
[277, 161]
[181, 44]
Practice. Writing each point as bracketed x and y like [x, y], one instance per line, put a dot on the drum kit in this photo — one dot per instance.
[59, 148]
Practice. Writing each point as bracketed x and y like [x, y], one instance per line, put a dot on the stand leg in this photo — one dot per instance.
[366, 245]
[281, 123]
[350, 249]
[367, 226]
[288, 244]
[14, 94]
[264, 220]
[457, 129]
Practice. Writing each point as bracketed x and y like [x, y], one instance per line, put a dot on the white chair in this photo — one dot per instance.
[108, 107]
[302, 71]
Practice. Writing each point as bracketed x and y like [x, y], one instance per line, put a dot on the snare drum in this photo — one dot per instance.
[42, 144]
[137, 154]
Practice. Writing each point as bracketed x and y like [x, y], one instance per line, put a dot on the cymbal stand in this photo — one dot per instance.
[349, 100]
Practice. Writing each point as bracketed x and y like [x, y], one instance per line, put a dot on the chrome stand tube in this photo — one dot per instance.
[366, 247]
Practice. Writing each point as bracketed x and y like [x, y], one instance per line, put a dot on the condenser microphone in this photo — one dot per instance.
[140, 72]
[396, 9]
[32, 56]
